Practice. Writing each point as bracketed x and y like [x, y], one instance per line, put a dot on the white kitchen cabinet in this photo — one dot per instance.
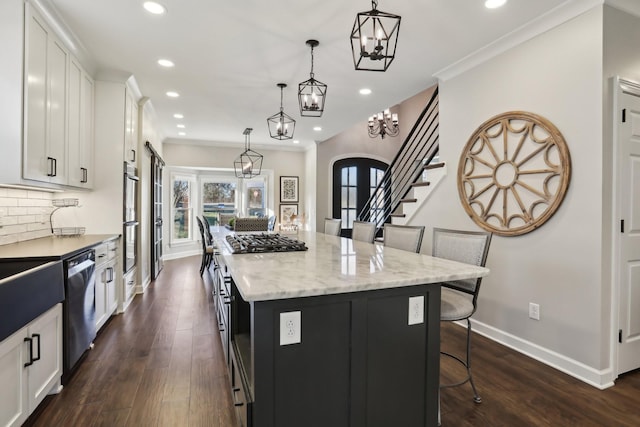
[81, 139]
[30, 366]
[45, 106]
[131, 130]
[106, 295]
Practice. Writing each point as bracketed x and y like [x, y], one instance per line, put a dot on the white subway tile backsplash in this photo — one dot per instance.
[12, 211]
[24, 215]
[8, 201]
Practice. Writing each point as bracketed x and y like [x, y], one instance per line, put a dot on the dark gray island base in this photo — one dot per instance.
[366, 358]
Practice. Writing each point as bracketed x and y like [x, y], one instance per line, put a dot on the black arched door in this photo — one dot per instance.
[354, 180]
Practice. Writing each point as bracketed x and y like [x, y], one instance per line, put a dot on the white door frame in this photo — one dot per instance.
[618, 87]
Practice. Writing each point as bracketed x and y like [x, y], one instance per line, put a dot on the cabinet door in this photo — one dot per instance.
[46, 72]
[87, 138]
[43, 374]
[57, 60]
[100, 296]
[75, 136]
[13, 393]
[35, 105]
[111, 291]
[131, 130]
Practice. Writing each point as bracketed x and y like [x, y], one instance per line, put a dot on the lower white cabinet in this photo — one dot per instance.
[30, 366]
[106, 295]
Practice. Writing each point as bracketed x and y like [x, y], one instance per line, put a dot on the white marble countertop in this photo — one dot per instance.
[334, 265]
[52, 247]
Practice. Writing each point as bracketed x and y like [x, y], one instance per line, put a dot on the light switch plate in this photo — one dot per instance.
[416, 310]
[290, 327]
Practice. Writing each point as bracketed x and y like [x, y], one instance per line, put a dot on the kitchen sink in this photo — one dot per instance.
[28, 288]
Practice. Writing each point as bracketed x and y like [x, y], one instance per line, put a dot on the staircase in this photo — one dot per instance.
[403, 185]
[419, 193]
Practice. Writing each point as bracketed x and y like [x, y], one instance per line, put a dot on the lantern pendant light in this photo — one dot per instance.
[249, 163]
[374, 38]
[281, 125]
[312, 93]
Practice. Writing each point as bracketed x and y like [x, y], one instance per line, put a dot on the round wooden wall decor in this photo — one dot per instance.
[514, 173]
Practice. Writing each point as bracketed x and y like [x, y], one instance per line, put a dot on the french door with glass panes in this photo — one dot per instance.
[354, 181]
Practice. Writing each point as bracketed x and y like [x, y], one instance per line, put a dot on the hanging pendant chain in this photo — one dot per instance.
[374, 4]
[311, 74]
[281, 94]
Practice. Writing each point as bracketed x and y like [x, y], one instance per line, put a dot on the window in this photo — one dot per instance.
[224, 194]
[182, 208]
[354, 181]
[255, 195]
[218, 198]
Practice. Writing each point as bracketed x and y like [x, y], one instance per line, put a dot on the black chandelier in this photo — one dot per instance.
[383, 124]
[281, 125]
[374, 38]
[249, 163]
[312, 93]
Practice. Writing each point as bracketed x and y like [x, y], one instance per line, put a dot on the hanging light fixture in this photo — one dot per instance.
[249, 163]
[312, 93]
[383, 124]
[281, 126]
[374, 38]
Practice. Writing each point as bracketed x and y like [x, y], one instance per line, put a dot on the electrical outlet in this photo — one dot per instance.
[290, 327]
[416, 310]
[534, 311]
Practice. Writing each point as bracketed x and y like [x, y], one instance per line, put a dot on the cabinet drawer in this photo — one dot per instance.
[106, 252]
[241, 400]
[101, 254]
[112, 247]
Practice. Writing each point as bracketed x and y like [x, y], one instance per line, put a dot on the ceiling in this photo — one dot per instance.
[229, 56]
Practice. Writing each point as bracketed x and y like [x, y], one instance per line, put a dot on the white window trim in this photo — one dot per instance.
[192, 179]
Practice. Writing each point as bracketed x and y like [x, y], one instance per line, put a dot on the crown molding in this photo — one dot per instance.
[555, 17]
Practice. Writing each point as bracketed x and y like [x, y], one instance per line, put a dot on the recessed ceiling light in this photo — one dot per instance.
[180, 126]
[492, 4]
[165, 63]
[173, 94]
[317, 128]
[365, 91]
[181, 133]
[296, 141]
[155, 8]
[178, 116]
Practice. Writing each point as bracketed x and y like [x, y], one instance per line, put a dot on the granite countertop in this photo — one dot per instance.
[52, 248]
[334, 265]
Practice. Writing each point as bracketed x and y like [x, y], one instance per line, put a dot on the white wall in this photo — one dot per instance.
[557, 75]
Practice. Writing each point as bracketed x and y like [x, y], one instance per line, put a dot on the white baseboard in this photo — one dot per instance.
[598, 378]
[143, 287]
[178, 255]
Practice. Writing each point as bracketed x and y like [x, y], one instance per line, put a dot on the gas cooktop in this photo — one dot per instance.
[263, 242]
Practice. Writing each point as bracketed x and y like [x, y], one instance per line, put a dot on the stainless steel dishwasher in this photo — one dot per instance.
[78, 309]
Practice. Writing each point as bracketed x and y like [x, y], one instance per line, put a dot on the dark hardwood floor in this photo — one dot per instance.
[160, 364]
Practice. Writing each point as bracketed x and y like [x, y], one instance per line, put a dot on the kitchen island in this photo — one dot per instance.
[343, 334]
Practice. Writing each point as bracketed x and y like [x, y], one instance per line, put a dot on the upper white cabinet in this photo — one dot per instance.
[131, 130]
[81, 99]
[45, 113]
[58, 110]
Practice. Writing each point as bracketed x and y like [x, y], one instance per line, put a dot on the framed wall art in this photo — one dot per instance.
[288, 189]
[288, 213]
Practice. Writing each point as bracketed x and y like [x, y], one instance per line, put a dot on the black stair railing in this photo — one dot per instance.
[418, 149]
